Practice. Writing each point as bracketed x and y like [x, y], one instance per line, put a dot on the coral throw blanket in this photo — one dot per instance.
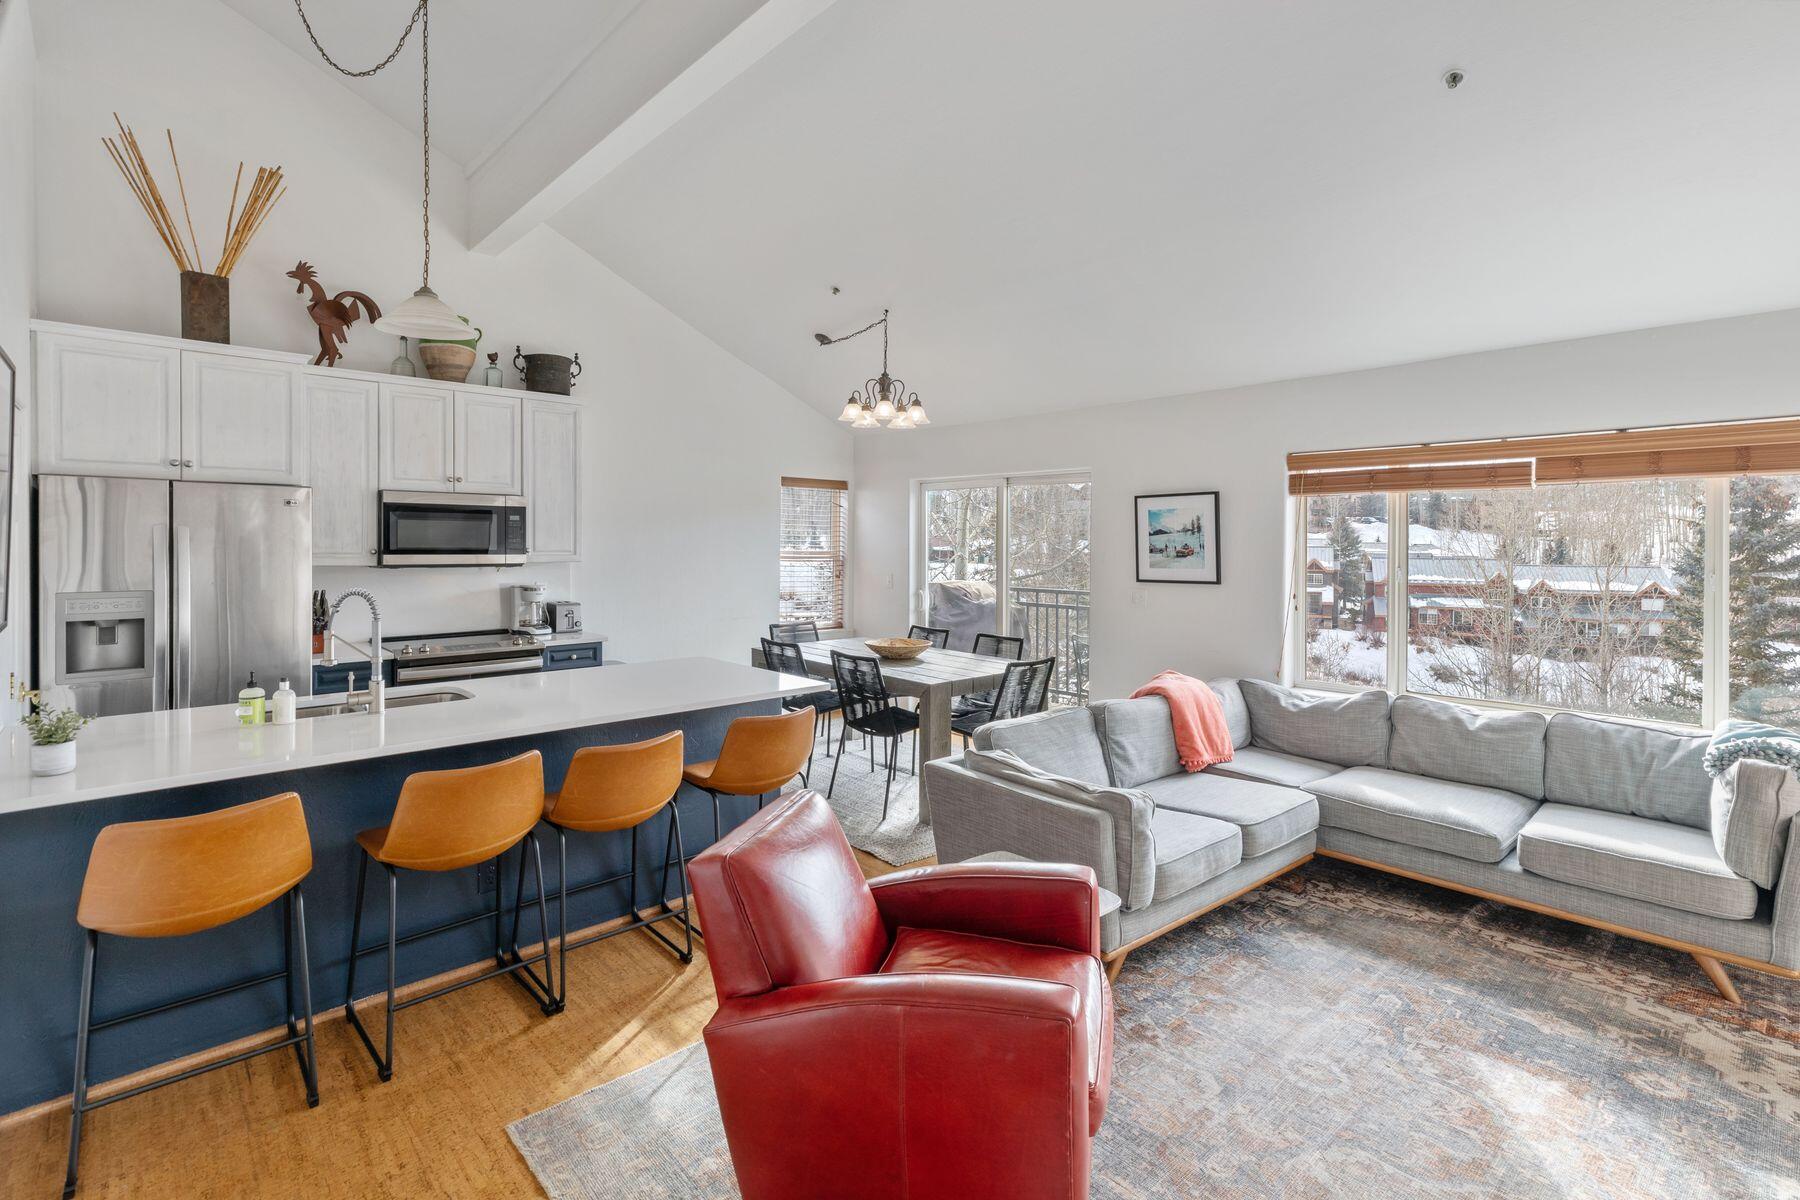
[1201, 735]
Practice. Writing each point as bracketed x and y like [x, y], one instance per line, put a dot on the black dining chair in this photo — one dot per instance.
[1024, 689]
[939, 638]
[870, 710]
[787, 658]
[794, 631]
[995, 645]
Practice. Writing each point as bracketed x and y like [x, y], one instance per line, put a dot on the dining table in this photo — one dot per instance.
[936, 677]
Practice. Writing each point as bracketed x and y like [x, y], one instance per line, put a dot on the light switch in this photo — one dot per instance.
[890, 582]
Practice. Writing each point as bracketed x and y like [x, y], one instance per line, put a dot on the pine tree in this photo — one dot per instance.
[1352, 580]
[1764, 600]
[1556, 551]
[1765, 584]
[1681, 638]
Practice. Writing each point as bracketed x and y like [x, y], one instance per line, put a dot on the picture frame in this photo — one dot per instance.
[1176, 536]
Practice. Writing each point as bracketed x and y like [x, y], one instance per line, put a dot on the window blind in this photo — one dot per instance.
[1725, 448]
[815, 523]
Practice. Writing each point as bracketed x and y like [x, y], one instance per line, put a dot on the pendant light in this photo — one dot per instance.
[423, 314]
[884, 400]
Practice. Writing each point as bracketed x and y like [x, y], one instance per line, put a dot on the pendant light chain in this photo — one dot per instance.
[425, 122]
[421, 17]
[336, 66]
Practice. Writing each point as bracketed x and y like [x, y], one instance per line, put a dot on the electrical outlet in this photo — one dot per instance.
[486, 877]
[890, 581]
[1139, 596]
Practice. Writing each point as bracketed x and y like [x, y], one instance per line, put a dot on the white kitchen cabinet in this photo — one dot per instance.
[488, 444]
[553, 479]
[243, 420]
[344, 423]
[418, 437]
[107, 406]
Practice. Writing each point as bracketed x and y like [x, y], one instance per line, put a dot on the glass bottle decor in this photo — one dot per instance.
[493, 376]
[403, 363]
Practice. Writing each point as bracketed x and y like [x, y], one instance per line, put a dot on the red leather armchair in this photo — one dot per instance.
[937, 1033]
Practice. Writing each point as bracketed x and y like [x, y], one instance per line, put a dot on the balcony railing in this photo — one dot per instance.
[1056, 622]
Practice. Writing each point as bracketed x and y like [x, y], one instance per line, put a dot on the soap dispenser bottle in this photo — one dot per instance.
[252, 703]
[282, 705]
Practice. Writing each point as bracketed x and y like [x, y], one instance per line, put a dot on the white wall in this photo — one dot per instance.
[1235, 441]
[17, 76]
[684, 444]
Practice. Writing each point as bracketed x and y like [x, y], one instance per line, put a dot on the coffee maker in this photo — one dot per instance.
[529, 615]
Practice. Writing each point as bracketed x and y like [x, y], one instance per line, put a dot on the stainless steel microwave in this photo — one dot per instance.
[451, 529]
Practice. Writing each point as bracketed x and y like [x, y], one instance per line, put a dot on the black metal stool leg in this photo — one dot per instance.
[362, 882]
[562, 917]
[84, 1018]
[393, 958]
[687, 924]
[309, 1063]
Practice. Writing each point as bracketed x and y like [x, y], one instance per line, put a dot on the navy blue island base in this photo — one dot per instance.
[44, 853]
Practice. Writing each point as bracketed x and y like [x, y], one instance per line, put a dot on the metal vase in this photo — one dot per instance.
[205, 307]
[554, 374]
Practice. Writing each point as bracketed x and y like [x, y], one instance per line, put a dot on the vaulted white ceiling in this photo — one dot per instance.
[1069, 203]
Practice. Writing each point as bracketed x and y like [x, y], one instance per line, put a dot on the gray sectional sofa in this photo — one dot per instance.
[1608, 823]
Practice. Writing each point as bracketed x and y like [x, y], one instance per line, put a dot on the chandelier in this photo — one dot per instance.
[883, 400]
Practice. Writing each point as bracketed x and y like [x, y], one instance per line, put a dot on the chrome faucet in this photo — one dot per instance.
[377, 693]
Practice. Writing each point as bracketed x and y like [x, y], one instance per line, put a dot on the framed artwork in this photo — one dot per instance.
[1178, 538]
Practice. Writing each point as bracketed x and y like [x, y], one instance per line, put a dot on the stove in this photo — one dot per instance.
[442, 656]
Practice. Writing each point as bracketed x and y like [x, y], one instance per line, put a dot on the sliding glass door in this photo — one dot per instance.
[1009, 555]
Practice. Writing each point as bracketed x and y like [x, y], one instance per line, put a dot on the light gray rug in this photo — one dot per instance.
[900, 839]
[1362, 1037]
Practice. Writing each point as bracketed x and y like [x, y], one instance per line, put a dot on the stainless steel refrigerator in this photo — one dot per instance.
[154, 595]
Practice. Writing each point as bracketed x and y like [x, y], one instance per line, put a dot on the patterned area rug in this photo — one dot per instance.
[1357, 1036]
[899, 839]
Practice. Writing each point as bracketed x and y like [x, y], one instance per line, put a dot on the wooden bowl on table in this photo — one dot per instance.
[898, 649]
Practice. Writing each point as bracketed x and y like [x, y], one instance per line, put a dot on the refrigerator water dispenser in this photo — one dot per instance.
[103, 636]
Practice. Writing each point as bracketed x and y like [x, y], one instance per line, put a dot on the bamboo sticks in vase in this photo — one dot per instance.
[205, 295]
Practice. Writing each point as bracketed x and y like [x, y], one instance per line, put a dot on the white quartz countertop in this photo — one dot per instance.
[147, 752]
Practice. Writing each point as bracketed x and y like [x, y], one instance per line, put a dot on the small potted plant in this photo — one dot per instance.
[53, 733]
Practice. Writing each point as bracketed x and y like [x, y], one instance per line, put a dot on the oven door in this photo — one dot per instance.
[444, 529]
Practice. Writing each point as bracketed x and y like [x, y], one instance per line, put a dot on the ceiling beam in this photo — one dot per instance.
[662, 63]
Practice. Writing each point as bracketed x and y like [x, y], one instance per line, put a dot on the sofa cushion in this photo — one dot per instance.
[1268, 816]
[1488, 748]
[1753, 807]
[1237, 714]
[1624, 855]
[1138, 738]
[1191, 849]
[1470, 822]
[1062, 741]
[1351, 731]
[1272, 766]
[1625, 768]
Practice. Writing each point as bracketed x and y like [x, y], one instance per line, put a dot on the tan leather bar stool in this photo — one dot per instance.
[760, 755]
[449, 821]
[158, 879]
[606, 789]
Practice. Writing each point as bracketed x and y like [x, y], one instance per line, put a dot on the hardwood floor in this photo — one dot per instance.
[465, 1067]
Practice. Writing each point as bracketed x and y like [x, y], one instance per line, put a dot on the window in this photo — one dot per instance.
[814, 535]
[1346, 553]
[1650, 574]
[1008, 555]
[1547, 589]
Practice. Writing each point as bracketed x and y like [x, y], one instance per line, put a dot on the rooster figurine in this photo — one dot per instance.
[330, 313]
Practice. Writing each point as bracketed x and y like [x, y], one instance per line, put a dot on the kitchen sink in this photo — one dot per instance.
[342, 710]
